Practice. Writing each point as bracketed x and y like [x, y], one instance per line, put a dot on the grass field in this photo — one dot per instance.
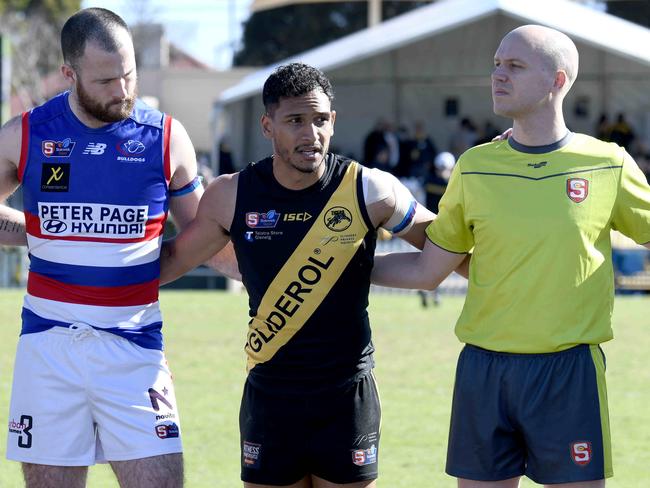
[416, 355]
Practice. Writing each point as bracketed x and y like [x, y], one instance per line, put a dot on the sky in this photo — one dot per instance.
[206, 29]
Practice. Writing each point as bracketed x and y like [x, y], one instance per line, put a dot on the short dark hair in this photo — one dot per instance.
[91, 24]
[294, 80]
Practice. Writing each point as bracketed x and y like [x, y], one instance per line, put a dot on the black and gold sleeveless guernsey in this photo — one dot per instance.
[305, 257]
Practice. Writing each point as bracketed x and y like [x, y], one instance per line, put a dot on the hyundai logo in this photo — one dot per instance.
[54, 226]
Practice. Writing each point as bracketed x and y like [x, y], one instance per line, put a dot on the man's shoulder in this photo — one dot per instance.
[478, 156]
[589, 146]
[13, 125]
[218, 200]
[224, 183]
[263, 165]
[222, 190]
[146, 115]
[487, 148]
[48, 110]
[10, 141]
[341, 161]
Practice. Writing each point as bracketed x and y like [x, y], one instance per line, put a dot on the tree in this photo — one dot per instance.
[32, 28]
[637, 11]
[272, 35]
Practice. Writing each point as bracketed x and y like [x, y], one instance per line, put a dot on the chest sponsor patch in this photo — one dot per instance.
[297, 217]
[95, 148]
[57, 149]
[55, 177]
[577, 189]
[129, 150]
[262, 220]
[130, 146]
[541, 164]
[338, 219]
[93, 220]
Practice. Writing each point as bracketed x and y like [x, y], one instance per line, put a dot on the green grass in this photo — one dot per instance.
[416, 356]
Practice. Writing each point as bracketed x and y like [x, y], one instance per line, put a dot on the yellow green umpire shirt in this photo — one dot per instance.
[539, 221]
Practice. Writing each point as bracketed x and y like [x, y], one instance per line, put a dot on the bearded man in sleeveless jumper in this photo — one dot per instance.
[99, 172]
[303, 223]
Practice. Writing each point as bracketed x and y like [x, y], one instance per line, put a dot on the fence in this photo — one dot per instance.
[454, 284]
[632, 265]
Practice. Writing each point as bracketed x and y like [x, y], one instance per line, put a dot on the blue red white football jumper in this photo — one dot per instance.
[95, 203]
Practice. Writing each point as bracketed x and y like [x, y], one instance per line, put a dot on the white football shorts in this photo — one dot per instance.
[82, 395]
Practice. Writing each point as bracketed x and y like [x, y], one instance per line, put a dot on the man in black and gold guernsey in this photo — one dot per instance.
[537, 210]
[303, 224]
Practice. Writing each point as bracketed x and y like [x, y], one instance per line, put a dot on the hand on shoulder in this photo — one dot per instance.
[505, 135]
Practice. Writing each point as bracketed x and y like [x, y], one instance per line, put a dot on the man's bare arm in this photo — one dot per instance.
[225, 262]
[463, 267]
[422, 270]
[12, 221]
[416, 235]
[184, 169]
[381, 211]
[184, 207]
[204, 236]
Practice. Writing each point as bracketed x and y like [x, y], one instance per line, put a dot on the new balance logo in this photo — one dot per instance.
[95, 148]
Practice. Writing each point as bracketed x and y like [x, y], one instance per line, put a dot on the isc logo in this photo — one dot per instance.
[297, 217]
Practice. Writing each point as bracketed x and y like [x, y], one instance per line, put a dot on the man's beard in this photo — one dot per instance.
[103, 112]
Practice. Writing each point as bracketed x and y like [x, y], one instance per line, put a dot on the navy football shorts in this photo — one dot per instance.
[334, 436]
[540, 415]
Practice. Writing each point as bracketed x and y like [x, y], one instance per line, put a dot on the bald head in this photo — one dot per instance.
[556, 50]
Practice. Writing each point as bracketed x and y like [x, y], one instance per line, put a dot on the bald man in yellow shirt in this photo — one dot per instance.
[537, 210]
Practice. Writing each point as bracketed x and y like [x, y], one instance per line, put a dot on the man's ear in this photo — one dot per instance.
[561, 79]
[267, 126]
[69, 74]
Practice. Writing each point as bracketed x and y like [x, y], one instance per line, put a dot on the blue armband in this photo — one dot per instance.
[189, 188]
[407, 219]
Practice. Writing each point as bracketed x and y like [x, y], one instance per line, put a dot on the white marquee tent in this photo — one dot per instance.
[414, 66]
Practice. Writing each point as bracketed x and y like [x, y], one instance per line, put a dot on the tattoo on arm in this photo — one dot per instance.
[8, 226]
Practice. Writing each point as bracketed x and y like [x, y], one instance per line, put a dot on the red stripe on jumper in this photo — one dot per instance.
[167, 132]
[107, 296]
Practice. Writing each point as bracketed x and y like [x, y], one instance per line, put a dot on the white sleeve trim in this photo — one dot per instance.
[377, 186]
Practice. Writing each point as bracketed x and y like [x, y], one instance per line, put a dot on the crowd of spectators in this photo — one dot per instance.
[623, 133]
[414, 155]
[409, 153]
